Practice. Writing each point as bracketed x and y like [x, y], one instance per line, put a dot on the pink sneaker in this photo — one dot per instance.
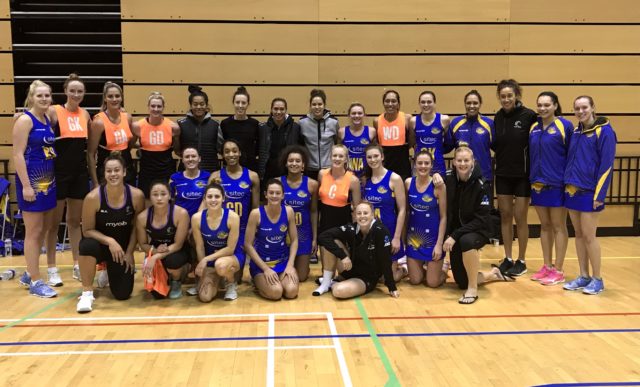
[542, 273]
[554, 277]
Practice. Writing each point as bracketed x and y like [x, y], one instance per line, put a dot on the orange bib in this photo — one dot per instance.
[117, 135]
[333, 192]
[392, 133]
[155, 138]
[72, 124]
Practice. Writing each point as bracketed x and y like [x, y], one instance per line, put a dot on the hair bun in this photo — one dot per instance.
[194, 89]
[241, 89]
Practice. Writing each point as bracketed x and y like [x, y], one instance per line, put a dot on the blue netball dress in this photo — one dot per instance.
[384, 202]
[216, 239]
[424, 222]
[356, 146]
[430, 138]
[39, 157]
[300, 200]
[238, 200]
[188, 192]
[271, 242]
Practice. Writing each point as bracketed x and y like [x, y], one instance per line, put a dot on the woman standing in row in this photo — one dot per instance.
[393, 134]
[319, 130]
[301, 194]
[430, 128]
[587, 177]
[187, 187]
[70, 123]
[272, 264]
[356, 137]
[242, 128]
[277, 133]
[511, 145]
[33, 157]
[111, 131]
[157, 134]
[549, 140]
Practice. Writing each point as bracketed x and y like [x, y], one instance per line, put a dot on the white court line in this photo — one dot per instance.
[271, 343]
[125, 318]
[344, 370]
[153, 350]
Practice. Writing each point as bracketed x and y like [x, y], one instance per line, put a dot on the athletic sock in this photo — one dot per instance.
[325, 285]
[52, 270]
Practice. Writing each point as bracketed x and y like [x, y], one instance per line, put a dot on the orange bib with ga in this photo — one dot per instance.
[72, 124]
[155, 138]
[117, 135]
[392, 133]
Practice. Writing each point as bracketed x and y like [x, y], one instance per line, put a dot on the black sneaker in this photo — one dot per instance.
[505, 265]
[518, 269]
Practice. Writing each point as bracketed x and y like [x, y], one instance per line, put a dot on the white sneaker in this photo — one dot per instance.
[85, 302]
[76, 273]
[232, 292]
[54, 279]
[103, 279]
[192, 291]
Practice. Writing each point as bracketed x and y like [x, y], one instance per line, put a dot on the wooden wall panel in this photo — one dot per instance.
[306, 38]
[574, 39]
[4, 9]
[221, 10]
[609, 99]
[550, 11]
[5, 35]
[415, 10]
[6, 130]
[568, 69]
[6, 68]
[6, 99]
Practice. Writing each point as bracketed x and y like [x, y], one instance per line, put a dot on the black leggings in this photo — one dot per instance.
[120, 283]
[470, 241]
[178, 259]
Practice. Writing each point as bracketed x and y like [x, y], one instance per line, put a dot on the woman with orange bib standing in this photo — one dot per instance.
[393, 135]
[110, 131]
[70, 124]
[156, 140]
[339, 190]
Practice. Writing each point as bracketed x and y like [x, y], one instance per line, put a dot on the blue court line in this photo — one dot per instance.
[306, 337]
[587, 384]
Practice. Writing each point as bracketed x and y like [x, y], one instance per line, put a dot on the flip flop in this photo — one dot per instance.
[505, 277]
[467, 300]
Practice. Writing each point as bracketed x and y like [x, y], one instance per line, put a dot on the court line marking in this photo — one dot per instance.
[39, 311]
[580, 384]
[271, 343]
[153, 350]
[393, 379]
[432, 317]
[344, 370]
[307, 337]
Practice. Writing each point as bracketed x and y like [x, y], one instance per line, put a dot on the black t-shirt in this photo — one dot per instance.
[246, 133]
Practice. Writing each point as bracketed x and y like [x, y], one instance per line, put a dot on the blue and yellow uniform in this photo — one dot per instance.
[271, 242]
[476, 133]
[431, 138]
[216, 239]
[356, 146]
[589, 165]
[300, 200]
[548, 149]
[424, 222]
[187, 192]
[384, 203]
[39, 157]
[238, 199]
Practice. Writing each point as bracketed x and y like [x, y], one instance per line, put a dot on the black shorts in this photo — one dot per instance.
[72, 186]
[369, 283]
[331, 216]
[469, 241]
[513, 186]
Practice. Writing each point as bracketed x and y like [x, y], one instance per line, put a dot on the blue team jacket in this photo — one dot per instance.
[548, 150]
[477, 133]
[590, 159]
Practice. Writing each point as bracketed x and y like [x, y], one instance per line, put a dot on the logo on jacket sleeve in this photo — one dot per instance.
[485, 201]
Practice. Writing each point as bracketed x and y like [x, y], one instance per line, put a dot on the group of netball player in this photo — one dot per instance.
[374, 202]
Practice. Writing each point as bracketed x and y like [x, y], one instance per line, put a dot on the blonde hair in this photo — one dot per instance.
[463, 148]
[109, 85]
[28, 102]
[346, 152]
[155, 95]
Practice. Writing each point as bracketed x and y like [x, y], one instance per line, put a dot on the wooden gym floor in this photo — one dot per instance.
[517, 334]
